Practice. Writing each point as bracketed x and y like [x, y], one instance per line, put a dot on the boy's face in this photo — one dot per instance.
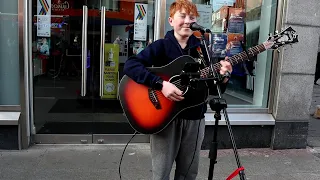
[181, 22]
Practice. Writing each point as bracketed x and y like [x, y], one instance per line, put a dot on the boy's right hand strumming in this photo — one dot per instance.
[171, 92]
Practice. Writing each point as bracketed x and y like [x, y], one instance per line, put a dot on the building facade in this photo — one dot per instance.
[61, 63]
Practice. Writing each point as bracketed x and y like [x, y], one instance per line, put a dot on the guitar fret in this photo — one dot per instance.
[236, 58]
[231, 62]
[239, 58]
[262, 48]
[250, 52]
[243, 55]
[257, 48]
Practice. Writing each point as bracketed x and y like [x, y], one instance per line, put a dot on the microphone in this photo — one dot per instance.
[196, 27]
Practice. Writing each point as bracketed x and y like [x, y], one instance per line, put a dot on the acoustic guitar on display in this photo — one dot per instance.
[148, 111]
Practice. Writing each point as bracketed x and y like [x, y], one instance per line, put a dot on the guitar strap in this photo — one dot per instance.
[201, 58]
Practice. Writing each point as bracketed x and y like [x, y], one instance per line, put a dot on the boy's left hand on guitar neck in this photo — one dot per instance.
[226, 69]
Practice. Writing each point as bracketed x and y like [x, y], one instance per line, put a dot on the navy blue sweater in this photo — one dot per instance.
[160, 53]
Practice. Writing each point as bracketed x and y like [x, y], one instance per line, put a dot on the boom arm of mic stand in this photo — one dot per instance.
[219, 104]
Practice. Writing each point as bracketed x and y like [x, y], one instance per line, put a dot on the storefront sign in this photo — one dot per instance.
[140, 22]
[111, 68]
[44, 18]
[60, 5]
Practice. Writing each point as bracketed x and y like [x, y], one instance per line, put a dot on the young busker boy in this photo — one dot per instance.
[178, 141]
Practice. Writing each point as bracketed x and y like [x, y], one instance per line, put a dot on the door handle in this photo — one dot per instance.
[102, 40]
[84, 50]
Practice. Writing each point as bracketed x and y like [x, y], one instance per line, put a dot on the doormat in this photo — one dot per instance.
[86, 128]
[86, 106]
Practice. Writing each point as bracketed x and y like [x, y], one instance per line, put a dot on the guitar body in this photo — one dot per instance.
[147, 110]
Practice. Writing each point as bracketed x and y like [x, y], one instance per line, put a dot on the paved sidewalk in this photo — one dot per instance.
[68, 162]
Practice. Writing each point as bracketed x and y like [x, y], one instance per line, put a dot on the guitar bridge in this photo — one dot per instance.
[154, 98]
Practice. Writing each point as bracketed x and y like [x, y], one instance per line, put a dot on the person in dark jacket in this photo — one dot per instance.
[181, 140]
[317, 73]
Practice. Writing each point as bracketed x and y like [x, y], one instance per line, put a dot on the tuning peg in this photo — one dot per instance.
[276, 31]
[278, 50]
[270, 34]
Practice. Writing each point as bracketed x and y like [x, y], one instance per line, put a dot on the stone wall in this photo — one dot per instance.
[295, 74]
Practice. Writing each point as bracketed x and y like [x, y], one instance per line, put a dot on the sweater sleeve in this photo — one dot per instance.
[213, 88]
[135, 66]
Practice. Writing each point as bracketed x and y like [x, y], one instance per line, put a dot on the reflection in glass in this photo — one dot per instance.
[233, 22]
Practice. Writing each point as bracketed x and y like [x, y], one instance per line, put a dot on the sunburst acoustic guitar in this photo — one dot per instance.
[149, 112]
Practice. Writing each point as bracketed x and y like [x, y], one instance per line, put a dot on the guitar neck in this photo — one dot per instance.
[235, 59]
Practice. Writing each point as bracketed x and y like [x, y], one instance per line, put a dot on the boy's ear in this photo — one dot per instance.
[170, 20]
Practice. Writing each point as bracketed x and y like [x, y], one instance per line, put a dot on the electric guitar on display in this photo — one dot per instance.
[149, 112]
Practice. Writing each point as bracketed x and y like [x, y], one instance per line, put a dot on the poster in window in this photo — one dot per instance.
[44, 18]
[217, 4]
[110, 85]
[236, 20]
[111, 57]
[138, 46]
[234, 44]
[140, 22]
[111, 74]
[234, 47]
[205, 12]
[219, 43]
[43, 45]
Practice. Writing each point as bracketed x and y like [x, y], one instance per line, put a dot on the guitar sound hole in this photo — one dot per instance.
[176, 80]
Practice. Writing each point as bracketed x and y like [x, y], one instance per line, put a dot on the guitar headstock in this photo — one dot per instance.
[287, 36]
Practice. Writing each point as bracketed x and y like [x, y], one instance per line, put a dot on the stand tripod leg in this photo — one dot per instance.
[240, 169]
[218, 104]
[214, 146]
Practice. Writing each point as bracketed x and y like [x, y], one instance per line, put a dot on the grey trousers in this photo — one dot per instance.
[177, 143]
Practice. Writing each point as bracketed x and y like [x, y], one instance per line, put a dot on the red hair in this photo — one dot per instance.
[187, 5]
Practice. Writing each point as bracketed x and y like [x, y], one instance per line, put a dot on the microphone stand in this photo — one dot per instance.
[216, 105]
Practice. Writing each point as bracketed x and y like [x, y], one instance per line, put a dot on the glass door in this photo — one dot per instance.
[63, 53]
[79, 50]
[126, 29]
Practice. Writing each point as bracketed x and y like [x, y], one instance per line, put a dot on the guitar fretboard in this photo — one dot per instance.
[235, 59]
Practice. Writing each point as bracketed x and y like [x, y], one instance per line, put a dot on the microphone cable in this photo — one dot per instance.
[135, 133]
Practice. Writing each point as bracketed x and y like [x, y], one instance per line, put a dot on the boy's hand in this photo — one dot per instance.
[171, 92]
[226, 67]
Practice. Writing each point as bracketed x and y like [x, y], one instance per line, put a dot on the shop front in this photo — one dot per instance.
[77, 50]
